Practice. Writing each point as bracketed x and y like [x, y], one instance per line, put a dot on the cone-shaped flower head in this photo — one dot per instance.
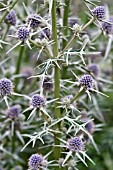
[6, 87]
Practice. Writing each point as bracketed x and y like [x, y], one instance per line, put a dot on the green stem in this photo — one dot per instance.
[65, 21]
[4, 35]
[18, 64]
[112, 69]
[74, 36]
[65, 25]
[88, 23]
[76, 96]
[7, 11]
[57, 151]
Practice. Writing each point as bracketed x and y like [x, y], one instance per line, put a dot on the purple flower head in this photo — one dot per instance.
[99, 12]
[23, 33]
[11, 18]
[94, 69]
[90, 127]
[75, 144]
[45, 34]
[72, 21]
[34, 20]
[27, 72]
[87, 81]
[67, 99]
[36, 162]
[13, 112]
[47, 84]
[37, 100]
[108, 26]
[6, 86]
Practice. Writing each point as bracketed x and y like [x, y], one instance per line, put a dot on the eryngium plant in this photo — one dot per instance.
[50, 77]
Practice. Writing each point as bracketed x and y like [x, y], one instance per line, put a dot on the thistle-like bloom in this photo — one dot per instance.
[67, 99]
[34, 20]
[94, 69]
[13, 112]
[11, 18]
[108, 26]
[99, 12]
[45, 34]
[90, 126]
[75, 144]
[87, 81]
[27, 72]
[6, 87]
[37, 101]
[47, 84]
[36, 162]
[72, 21]
[23, 33]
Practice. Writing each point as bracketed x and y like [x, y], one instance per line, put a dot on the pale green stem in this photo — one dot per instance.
[76, 96]
[18, 64]
[65, 32]
[74, 36]
[57, 151]
[65, 20]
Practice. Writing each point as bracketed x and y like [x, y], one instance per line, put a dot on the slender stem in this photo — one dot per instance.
[7, 11]
[76, 96]
[70, 42]
[88, 23]
[54, 29]
[19, 59]
[18, 64]
[74, 36]
[57, 152]
[65, 25]
[65, 21]
[4, 35]
[112, 69]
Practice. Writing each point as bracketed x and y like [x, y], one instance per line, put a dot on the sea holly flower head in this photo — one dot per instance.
[37, 101]
[13, 112]
[90, 126]
[99, 12]
[34, 20]
[67, 99]
[107, 25]
[36, 162]
[75, 144]
[11, 18]
[47, 84]
[6, 87]
[87, 81]
[45, 34]
[93, 68]
[23, 33]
